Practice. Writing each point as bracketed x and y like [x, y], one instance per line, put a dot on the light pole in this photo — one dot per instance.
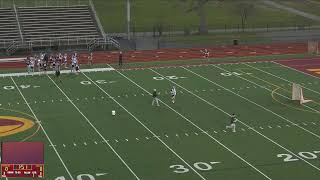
[128, 19]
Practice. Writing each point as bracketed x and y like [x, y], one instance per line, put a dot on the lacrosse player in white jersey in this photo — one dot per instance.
[233, 121]
[65, 60]
[173, 93]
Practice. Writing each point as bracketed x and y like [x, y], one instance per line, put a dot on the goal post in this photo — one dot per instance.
[297, 94]
[313, 47]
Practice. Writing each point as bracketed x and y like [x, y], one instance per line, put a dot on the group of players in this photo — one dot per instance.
[44, 62]
[54, 61]
[173, 93]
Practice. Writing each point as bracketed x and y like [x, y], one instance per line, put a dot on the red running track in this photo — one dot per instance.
[185, 54]
[310, 66]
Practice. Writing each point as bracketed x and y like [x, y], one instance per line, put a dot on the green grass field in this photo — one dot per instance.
[149, 13]
[275, 139]
[306, 6]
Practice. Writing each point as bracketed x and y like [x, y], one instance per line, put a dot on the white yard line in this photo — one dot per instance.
[156, 136]
[278, 115]
[44, 131]
[196, 126]
[96, 130]
[218, 108]
[281, 78]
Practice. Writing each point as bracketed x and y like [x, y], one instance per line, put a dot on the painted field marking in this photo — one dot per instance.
[94, 98]
[278, 115]
[101, 174]
[151, 132]
[274, 91]
[44, 131]
[53, 72]
[192, 123]
[187, 134]
[85, 117]
[281, 77]
[295, 70]
[209, 103]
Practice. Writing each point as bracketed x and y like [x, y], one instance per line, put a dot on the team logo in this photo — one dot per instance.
[12, 125]
[316, 71]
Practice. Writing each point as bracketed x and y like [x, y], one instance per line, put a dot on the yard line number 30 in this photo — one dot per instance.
[201, 166]
[79, 177]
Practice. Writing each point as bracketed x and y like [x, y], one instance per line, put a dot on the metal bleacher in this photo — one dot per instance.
[8, 27]
[52, 26]
[58, 23]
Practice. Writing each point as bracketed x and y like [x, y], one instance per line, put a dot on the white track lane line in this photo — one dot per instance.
[95, 129]
[44, 131]
[279, 86]
[249, 127]
[284, 118]
[196, 126]
[154, 135]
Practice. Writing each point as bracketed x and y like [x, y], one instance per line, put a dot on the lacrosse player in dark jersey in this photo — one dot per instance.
[233, 121]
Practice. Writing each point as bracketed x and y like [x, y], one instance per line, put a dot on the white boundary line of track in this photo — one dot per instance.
[199, 128]
[95, 129]
[44, 131]
[142, 124]
[278, 115]
[52, 72]
[142, 68]
[218, 108]
[18, 74]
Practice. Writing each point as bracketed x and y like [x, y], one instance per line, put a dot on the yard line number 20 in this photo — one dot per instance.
[304, 155]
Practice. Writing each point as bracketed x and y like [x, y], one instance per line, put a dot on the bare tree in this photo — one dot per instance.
[244, 9]
[198, 6]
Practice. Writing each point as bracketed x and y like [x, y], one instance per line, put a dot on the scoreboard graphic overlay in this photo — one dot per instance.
[22, 159]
